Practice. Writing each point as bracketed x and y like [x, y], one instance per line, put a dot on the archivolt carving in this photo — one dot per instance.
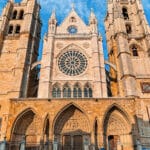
[117, 124]
[25, 126]
[71, 120]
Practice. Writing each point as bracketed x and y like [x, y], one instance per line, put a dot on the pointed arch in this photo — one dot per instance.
[125, 13]
[74, 47]
[67, 90]
[120, 109]
[14, 15]
[135, 42]
[77, 90]
[56, 90]
[24, 125]
[116, 127]
[65, 108]
[46, 128]
[88, 92]
[71, 124]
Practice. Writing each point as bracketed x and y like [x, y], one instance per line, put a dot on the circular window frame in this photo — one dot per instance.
[71, 28]
[69, 68]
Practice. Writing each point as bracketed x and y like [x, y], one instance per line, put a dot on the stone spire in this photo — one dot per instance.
[93, 22]
[52, 23]
[52, 19]
[93, 19]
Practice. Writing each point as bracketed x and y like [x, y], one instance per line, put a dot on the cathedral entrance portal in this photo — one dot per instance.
[117, 131]
[72, 129]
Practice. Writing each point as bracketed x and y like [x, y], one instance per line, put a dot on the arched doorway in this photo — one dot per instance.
[24, 128]
[71, 129]
[117, 131]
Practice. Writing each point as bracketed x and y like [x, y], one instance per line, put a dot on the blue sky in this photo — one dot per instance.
[82, 7]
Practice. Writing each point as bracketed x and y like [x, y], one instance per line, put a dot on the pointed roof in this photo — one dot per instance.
[73, 13]
[92, 16]
[53, 16]
[74, 20]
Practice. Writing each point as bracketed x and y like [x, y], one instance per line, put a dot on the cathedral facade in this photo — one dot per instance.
[67, 100]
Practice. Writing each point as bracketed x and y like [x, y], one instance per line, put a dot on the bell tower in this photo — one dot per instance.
[128, 41]
[20, 27]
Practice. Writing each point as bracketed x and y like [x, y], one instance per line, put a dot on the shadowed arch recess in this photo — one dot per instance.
[24, 126]
[71, 125]
[117, 129]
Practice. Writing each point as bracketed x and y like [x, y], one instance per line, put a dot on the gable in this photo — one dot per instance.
[73, 20]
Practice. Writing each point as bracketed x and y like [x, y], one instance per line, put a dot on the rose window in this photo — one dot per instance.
[72, 63]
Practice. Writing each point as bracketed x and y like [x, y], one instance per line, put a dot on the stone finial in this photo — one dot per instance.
[52, 19]
[72, 6]
[12, 1]
[93, 19]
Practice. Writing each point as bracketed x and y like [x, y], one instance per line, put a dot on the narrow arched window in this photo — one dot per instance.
[128, 28]
[21, 14]
[72, 19]
[10, 30]
[14, 14]
[77, 92]
[56, 92]
[88, 92]
[125, 13]
[66, 92]
[134, 50]
[17, 29]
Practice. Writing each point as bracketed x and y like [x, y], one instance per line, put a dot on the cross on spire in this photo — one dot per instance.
[72, 6]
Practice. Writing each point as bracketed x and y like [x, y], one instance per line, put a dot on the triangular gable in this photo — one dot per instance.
[73, 19]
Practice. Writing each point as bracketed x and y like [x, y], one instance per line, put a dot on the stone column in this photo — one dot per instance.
[97, 91]
[23, 144]
[3, 144]
[55, 145]
[138, 144]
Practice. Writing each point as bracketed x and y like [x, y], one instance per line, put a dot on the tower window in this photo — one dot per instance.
[128, 28]
[134, 50]
[14, 15]
[17, 29]
[21, 14]
[125, 13]
[10, 30]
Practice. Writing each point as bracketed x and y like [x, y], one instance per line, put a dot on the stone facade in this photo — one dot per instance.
[75, 104]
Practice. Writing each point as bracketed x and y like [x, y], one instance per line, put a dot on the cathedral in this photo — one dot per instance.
[68, 100]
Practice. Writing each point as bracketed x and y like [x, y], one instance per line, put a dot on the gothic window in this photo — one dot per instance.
[134, 50]
[17, 29]
[66, 92]
[72, 63]
[14, 14]
[125, 13]
[128, 28]
[77, 92]
[21, 14]
[56, 92]
[88, 92]
[10, 30]
[73, 19]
